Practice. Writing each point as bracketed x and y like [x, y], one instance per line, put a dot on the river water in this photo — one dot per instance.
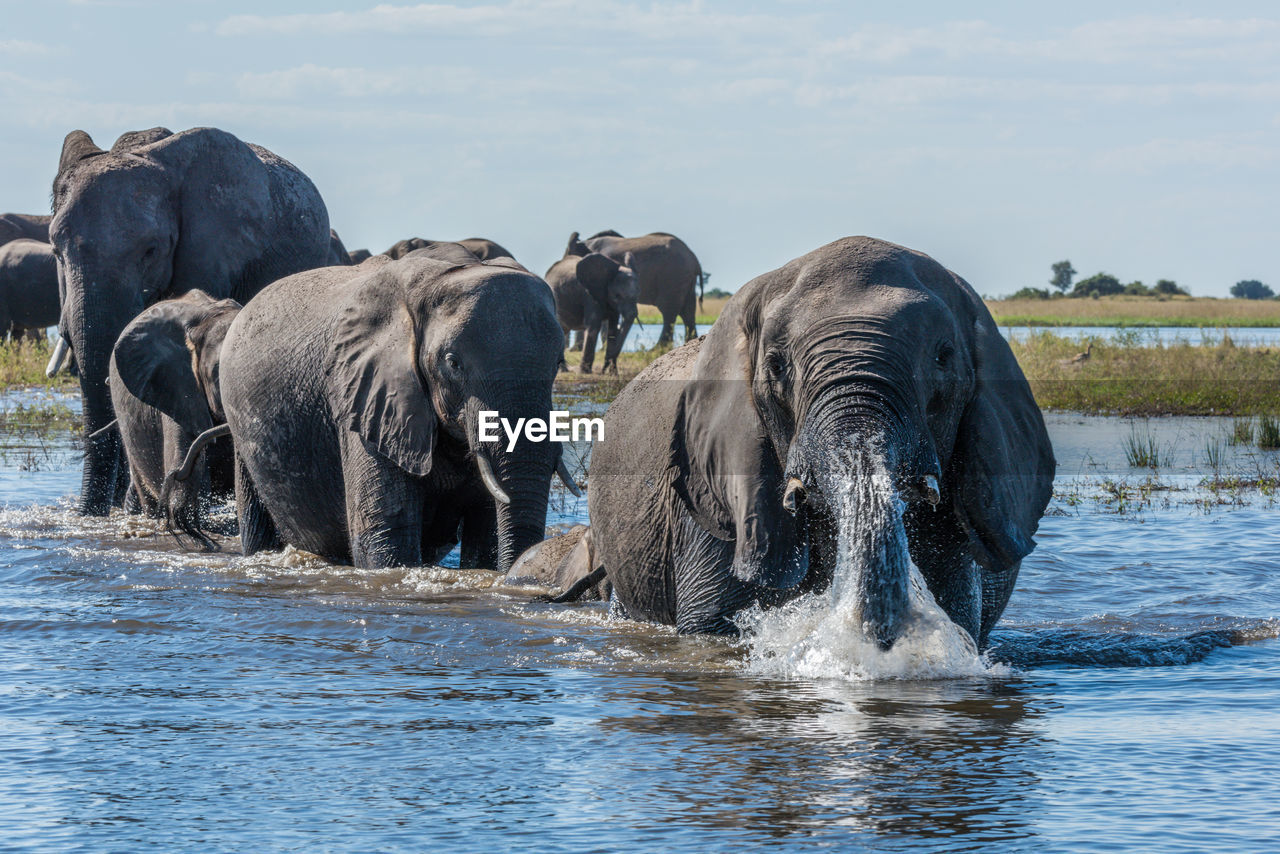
[184, 700]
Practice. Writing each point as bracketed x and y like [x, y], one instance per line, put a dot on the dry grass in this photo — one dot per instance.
[1171, 379]
[1136, 311]
[711, 308]
[22, 365]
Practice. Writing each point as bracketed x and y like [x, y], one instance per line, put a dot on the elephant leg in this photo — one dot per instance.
[707, 593]
[589, 348]
[257, 530]
[950, 572]
[385, 508]
[689, 314]
[480, 538]
[668, 329]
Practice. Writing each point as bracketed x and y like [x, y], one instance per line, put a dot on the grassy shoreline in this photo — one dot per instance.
[1186, 312]
[1120, 378]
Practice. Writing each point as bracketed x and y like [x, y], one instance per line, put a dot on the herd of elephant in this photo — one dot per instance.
[228, 344]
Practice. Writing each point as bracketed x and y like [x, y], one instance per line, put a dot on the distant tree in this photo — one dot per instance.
[1169, 287]
[717, 293]
[1030, 293]
[1103, 284]
[1137, 289]
[1251, 289]
[1063, 273]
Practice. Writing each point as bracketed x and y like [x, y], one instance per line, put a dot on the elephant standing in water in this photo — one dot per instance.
[164, 379]
[28, 288]
[721, 478]
[156, 216]
[667, 276]
[593, 293]
[483, 248]
[354, 396]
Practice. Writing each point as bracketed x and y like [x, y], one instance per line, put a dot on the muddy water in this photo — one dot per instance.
[208, 701]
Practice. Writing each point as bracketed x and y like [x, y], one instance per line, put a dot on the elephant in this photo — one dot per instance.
[482, 248]
[164, 380]
[593, 291]
[15, 226]
[566, 562]
[28, 288]
[722, 477]
[338, 255]
[156, 216]
[667, 272]
[359, 256]
[354, 397]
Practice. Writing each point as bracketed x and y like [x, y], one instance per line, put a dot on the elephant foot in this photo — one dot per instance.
[610, 368]
[584, 369]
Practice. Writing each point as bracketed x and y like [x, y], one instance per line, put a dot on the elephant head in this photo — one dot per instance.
[864, 342]
[169, 357]
[427, 343]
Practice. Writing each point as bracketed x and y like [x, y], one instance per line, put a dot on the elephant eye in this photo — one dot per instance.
[943, 357]
[452, 361]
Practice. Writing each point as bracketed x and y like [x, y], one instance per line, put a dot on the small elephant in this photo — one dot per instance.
[482, 248]
[164, 379]
[565, 562]
[156, 216]
[355, 397]
[593, 291]
[724, 478]
[28, 288]
[24, 227]
[667, 274]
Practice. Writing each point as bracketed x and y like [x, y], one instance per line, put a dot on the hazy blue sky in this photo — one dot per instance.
[1142, 138]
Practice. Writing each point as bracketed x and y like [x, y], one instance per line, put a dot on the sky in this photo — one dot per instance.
[1140, 139]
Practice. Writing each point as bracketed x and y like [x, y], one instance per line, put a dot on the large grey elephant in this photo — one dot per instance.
[593, 293]
[164, 379]
[668, 276]
[354, 396]
[156, 216]
[481, 247]
[28, 288]
[722, 477]
[14, 226]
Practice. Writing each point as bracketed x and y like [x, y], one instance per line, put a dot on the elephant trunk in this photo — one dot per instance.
[93, 328]
[523, 522]
[855, 460]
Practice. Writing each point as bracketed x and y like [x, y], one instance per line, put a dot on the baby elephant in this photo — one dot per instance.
[567, 563]
[28, 288]
[164, 387]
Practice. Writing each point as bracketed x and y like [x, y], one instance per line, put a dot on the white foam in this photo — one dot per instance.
[822, 635]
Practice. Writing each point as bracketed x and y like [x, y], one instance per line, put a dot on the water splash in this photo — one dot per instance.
[828, 635]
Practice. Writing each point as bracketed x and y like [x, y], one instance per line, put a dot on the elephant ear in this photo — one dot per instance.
[576, 247]
[1003, 455]
[595, 272]
[77, 146]
[155, 361]
[375, 388]
[724, 465]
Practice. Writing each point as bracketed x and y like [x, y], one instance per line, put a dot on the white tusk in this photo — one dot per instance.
[567, 479]
[491, 482]
[58, 358]
[931, 493]
[794, 495]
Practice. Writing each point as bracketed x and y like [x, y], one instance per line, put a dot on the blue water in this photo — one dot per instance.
[153, 697]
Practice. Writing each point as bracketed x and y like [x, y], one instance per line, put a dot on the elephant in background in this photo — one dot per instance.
[593, 292]
[359, 256]
[354, 395]
[482, 248]
[667, 275]
[338, 255]
[28, 288]
[156, 216]
[164, 379]
[722, 478]
[565, 562]
[14, 226]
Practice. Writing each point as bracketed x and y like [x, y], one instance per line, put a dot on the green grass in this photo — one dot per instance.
[1189, 312]
[22, 365]
[1143, 451]
[1268, 433]
[1176, 378]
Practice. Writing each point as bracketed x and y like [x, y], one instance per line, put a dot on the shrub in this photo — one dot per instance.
[1251, 289]
[1169, 287]
[1030, 293]
[1104, 284]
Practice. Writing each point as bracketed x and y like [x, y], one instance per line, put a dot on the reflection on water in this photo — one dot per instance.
[196, 700]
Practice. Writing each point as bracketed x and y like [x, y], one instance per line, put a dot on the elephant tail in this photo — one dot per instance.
[702, 284]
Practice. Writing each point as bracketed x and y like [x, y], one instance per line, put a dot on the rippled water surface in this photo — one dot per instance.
[207, 701]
